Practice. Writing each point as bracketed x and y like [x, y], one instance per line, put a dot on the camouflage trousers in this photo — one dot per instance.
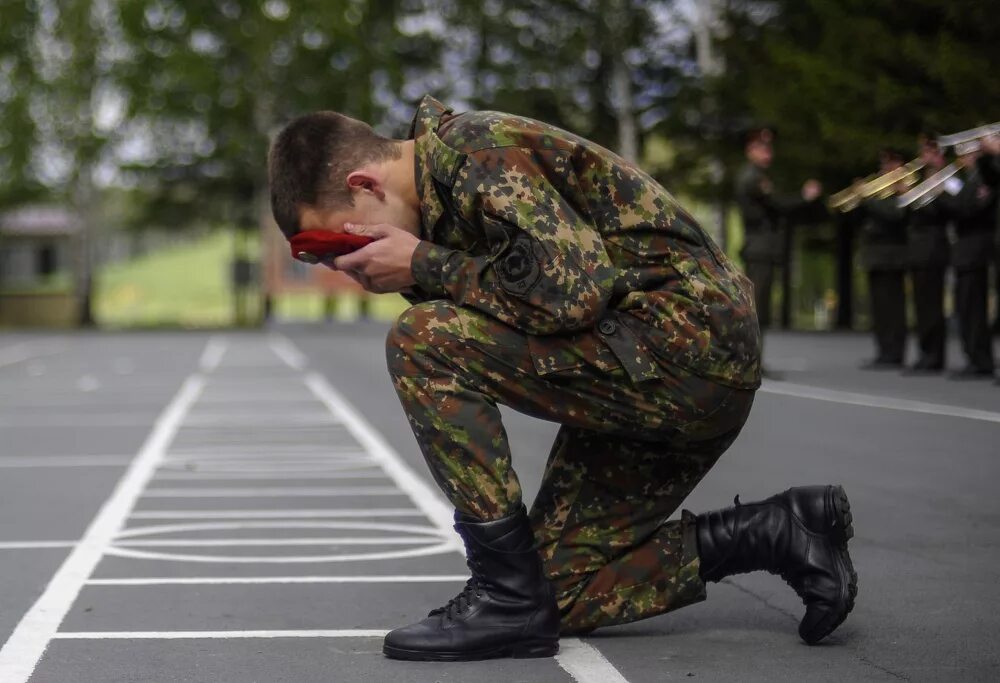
[625, 458]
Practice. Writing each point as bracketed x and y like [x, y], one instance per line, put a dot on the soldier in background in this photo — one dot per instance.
[971, 204]
[884, 257]
[989, 167]
[928, 257]
[764, 213]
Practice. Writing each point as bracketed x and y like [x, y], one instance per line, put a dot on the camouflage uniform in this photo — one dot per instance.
[558, 279]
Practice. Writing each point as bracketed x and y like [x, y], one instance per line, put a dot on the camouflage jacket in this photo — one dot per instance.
[556, 236]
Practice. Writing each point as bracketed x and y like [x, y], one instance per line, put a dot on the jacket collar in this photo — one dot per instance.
[434, 160]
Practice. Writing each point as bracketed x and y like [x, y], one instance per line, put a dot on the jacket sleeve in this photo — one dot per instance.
[546, 270]
[973, 199]
[886, 210]
[753, 199]
[757, 201]
[989, 168]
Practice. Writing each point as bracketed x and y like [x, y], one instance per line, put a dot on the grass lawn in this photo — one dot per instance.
[188, 285]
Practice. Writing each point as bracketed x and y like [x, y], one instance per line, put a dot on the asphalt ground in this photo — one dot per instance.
[253, 507]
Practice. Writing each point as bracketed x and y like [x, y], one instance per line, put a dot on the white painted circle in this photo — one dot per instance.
[429, 541]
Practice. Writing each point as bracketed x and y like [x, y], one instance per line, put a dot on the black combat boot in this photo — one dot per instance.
[802, 536]
[507, 609]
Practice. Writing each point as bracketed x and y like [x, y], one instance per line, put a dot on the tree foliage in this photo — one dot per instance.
[174, 100]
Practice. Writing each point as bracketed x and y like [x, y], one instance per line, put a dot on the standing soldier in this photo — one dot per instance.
[928, 249]
[884, 258]
[764, 214]
[550, 275]
[972, 206]
[989, 167]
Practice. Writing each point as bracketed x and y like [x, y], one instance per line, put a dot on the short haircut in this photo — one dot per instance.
[311, 158]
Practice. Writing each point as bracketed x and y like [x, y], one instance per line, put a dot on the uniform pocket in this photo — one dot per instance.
[571, 354]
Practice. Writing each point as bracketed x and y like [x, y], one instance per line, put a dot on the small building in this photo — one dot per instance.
[39, 251]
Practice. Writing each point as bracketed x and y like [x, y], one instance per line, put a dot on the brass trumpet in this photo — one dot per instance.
[877, 185]
[967, 136]
[924, 193]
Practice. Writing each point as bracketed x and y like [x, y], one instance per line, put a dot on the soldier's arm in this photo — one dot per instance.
[970, 201]
[989, 167]
[887, 210]
[547, 270]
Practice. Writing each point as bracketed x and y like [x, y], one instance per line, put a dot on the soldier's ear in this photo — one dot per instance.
[363, 181]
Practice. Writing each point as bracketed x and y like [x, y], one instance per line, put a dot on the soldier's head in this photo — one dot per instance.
[326, 169]
[760, 146]
[931, 153]
[889, 159]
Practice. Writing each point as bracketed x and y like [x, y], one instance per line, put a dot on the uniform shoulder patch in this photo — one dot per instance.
[519, 268]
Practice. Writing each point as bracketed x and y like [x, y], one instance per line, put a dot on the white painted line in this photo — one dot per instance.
[585, 663]
[872, 401]
[347, 452]
[253, 580]
[274, 492]
[421, 551]
[268, 542]
[259, 421]
[423, 496]
[275, 450]
[287, 352]
[91, 421]
[21, 652]
[274, 514]
[429, 541]
[66, 461]
[297, 466]
[269, 398]
[426, 532]
[31, 545]
[370, 473]
[212, 355]
[18, 353]
[184, 635]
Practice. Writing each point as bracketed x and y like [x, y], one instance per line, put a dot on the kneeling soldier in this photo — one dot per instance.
[549, 275]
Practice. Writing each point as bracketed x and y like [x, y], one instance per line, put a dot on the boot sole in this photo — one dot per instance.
[527, 649]
[839, 534]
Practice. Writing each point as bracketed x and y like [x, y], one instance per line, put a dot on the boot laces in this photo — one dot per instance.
[473, 589]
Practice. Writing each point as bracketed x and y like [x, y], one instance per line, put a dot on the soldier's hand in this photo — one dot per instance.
[383, 265]
[811, 190]
[991, 144]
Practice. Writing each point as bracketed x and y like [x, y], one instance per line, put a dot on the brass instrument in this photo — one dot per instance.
[927, 191]
[967, 136]
[964, 142]
[877, 185]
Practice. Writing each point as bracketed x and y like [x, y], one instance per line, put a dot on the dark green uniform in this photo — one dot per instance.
[973, 210]
[989, 167]
[764, 214]
[558, 279]
[928, 257]
[884, 257]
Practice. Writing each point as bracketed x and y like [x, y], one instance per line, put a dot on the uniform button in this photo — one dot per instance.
[607, 326]
[306, 257]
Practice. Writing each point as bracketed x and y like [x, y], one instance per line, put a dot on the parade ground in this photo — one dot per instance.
[252, 507]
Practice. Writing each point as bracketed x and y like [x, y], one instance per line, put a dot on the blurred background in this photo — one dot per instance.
[133, 133]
